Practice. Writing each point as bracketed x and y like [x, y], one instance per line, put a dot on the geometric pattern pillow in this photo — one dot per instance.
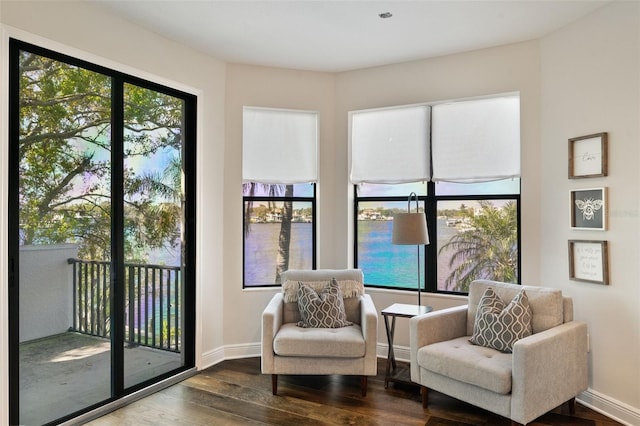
[324, 309]
[499, 327]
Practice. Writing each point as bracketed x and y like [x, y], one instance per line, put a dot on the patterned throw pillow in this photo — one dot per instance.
[324, 309]
[499, 327]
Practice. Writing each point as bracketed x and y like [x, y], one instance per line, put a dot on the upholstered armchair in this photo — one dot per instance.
[540, 372]
[288, 348]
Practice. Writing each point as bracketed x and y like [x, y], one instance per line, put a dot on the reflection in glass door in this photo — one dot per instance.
[64, 193]
[101, 253]
[153, 223]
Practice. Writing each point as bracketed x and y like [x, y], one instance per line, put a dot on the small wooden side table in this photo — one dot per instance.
[393, 373]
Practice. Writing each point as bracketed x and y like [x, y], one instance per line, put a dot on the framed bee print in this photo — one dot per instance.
[589, 209]
[588, 156]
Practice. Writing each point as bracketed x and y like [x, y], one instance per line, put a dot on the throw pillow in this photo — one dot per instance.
[499, 327]
[321, 310]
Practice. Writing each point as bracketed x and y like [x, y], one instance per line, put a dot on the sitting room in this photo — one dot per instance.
[573, 68]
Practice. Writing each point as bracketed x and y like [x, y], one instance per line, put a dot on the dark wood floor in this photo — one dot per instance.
[236, 393]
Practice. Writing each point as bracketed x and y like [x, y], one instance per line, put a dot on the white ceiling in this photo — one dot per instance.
[341, 35]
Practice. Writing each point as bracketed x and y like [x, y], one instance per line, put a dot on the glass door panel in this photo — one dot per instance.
[153, 233]
[64, 185]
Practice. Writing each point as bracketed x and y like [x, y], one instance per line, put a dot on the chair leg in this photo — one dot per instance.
[363, 385]
[425, 396]
[514, 423]
[274, 384]
[572, 406]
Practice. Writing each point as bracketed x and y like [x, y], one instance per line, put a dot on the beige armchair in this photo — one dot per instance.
[350, 350]
[545, 369]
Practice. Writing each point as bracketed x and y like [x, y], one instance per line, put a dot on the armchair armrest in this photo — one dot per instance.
[549, 368]
[271, 323]
[369, 325]
[433, 327]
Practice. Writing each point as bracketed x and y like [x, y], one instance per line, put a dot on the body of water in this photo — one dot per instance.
[261, 251]
[383, 263]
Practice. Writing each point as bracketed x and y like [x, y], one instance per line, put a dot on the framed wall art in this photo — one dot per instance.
[588, 156]
[589, 261]
[589, 209]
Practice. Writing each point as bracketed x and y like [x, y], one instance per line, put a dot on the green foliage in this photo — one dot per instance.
[65, 160]
[487, 249]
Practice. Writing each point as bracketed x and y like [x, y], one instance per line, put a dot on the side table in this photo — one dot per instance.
[393, 373]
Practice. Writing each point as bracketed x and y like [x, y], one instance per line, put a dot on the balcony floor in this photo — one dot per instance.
[70, 371]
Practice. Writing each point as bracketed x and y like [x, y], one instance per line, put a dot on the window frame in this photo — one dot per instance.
[280, 198]
[429, 203]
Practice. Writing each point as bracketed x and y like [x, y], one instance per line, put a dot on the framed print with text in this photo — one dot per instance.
[589, 261]
[588, 156]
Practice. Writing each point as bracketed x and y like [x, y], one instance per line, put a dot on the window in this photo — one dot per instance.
[279, 231]
[279, 193]
[472, 209]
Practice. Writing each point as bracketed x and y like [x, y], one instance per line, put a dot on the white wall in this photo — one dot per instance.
[278, 88]
[580, 80]
[591, 84]
[484, 72]
[46, 290]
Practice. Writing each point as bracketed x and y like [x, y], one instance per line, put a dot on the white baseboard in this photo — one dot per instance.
[614, 409]
[603, 404]
[218, 355]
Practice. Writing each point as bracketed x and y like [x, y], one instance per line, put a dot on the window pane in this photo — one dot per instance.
[383, 263]
[278, 237]
[65, 215]
[257, 189]
[476, 239]
[498, 187]
[402, 190]
[154, 223]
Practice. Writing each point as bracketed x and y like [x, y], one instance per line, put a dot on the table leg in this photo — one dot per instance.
[391, 358]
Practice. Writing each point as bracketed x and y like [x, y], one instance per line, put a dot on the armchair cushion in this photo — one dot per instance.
[345, 342]
[324, 309]
[546, 303]
[499, 327]
[350, 288]
[459, 359]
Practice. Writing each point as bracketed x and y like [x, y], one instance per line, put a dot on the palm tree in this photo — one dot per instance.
[488, 249]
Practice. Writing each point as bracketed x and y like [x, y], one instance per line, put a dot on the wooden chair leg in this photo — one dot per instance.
[363, 385]
[572, 406]
[424, 391]
[274, 384]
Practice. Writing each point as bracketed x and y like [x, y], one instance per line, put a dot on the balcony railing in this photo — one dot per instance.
[152, 302]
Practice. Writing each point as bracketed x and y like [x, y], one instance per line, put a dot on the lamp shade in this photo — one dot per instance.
[410, 229]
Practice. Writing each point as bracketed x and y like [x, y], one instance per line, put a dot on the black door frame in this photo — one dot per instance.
[118, 391]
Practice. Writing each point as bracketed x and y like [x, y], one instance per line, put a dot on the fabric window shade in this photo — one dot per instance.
[390, 145]
[476, 141]
[279, 146]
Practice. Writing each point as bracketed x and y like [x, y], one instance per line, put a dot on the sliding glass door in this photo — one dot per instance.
[101, 241]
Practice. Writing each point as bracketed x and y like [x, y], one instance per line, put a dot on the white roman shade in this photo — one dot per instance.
[279, 146]
[390, 145]
[477, 140]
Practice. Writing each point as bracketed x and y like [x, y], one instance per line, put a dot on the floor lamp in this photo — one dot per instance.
[411, 229]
